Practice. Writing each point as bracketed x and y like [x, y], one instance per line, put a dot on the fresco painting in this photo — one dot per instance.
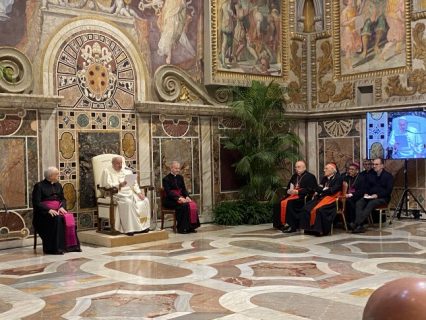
[372, 35]
[249, 36]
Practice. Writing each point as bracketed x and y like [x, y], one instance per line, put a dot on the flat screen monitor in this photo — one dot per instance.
[396, 134]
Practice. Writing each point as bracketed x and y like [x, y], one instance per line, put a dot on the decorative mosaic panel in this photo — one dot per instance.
[94, 71]
[338, 141]
[83, 134]
[177, 138]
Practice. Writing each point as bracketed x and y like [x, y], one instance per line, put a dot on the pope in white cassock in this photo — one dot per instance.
[133, 211]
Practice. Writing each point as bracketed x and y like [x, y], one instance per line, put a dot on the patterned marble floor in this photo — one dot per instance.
[244, 272]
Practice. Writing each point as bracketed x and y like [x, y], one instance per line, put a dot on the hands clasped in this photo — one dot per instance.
[184, 200]
[59, 212]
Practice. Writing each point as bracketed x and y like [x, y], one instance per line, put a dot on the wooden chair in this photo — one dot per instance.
[383, 209]
[35, 239]
[341, 205]
[165, 211]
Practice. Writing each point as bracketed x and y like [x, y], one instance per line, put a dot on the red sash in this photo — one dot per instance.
[324, 201]
[193, 210]
[284, 206]
[70, 238]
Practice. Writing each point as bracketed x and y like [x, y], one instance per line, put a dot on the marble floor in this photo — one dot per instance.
[243, 272]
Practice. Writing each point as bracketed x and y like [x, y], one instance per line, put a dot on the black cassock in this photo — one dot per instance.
[356, 186]
[325, 214]
[171, 183]
[306, 184]
[51, 229]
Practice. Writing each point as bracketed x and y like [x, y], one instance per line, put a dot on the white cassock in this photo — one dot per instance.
[132, 214]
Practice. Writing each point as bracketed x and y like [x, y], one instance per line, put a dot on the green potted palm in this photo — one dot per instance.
[265, 141]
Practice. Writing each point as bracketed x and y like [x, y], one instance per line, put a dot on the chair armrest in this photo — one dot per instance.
[147, 187]
[110, 191]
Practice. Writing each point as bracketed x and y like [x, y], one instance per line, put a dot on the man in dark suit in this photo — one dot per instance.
[177, 197]
[378, 191]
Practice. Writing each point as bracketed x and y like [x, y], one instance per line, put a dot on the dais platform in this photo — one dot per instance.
[106, 240]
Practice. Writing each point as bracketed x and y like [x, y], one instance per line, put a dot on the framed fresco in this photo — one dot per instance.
[246, 41]
[371, 37]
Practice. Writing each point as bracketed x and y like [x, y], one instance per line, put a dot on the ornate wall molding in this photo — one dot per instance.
[16, 73]
[173, 84]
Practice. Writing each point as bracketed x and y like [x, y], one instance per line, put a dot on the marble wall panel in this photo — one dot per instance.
[13, 172]
[196, 178]
[178, 150]
[156, 160]
[229, 180]
[339, 141]
[29, 124]
[33, 165]
[90, 145]
[219, 128]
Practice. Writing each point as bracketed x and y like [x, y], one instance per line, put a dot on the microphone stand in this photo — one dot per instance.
[403, 201]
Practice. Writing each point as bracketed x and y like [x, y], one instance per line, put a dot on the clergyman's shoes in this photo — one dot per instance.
[290, 230]
[359, 229]
[284, 227]
[352, 226]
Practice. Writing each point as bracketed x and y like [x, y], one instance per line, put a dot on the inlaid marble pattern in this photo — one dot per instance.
[243, 272]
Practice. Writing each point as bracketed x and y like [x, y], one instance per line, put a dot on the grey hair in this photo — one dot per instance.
[116, 158]
[174, 162]
[50, 171]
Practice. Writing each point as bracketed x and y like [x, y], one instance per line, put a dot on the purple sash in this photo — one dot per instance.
[70, 237]
[193, 210]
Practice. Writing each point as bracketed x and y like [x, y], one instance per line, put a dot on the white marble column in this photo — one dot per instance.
[206, 170]
[311, 147]
[144, 149]
[49, 138]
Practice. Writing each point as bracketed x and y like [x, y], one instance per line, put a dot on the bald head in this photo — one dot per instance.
[300, 167]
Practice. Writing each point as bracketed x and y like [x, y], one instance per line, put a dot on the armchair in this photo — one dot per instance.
[107, 206]
[104, 196]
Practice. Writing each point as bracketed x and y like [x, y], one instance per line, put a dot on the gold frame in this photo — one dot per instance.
[369, 74]
[216, 75]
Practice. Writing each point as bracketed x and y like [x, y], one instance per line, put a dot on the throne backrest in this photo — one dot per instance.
[99, 163]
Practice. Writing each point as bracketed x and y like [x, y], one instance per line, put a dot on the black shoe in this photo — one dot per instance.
[130, 233]
[359, 229]
[290, 230]
[183, 231]
[143, 231]
[284, 227]
[352, 226]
